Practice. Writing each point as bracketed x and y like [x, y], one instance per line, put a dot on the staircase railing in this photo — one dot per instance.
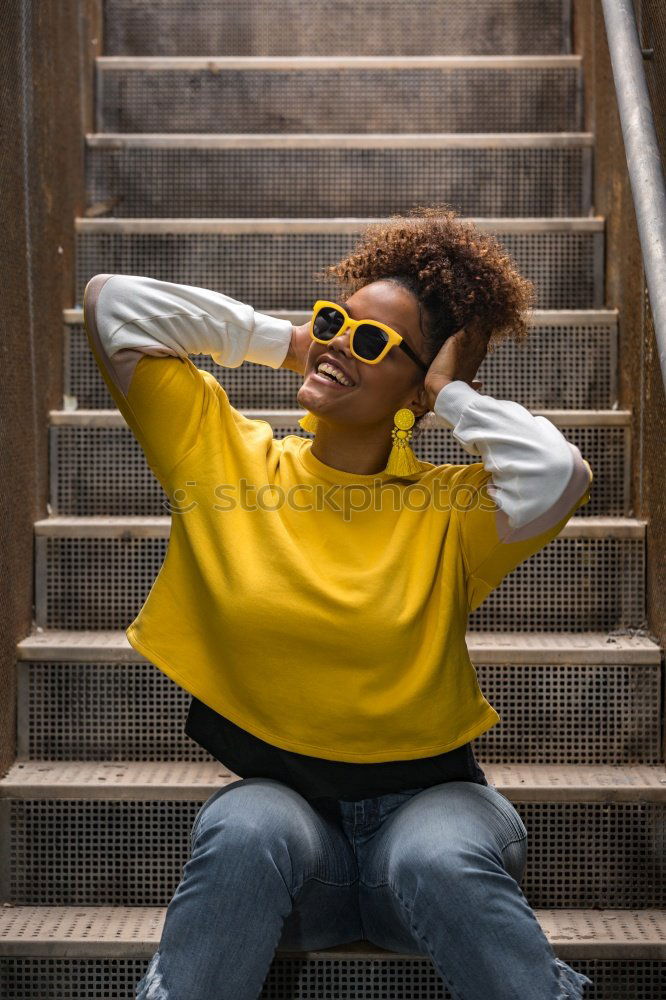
[643, 156]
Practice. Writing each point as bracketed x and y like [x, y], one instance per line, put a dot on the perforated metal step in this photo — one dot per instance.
[274, 263]
[339, 94]
[118, 833]
[200, 176]
[123, 931]
[611, 648]
[569, 361]
[83, 952]
[97, 465]
[155, 781]
[320, 27]
[562, 699]
[95, 572]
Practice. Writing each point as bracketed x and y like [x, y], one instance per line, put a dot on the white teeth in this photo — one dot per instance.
[330, 369]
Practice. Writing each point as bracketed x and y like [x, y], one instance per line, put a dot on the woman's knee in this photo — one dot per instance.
[259, 816]
[447, 833]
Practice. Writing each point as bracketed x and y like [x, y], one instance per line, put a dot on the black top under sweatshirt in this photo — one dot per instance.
[315, 778]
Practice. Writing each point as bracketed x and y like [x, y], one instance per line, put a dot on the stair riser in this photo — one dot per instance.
[557, 367]
[313, 183]
[102, 470]
[68, 852]
[288, 27]
[301, 978]
[573, 584]
[273, 271]
[551, 713]
[339, 100]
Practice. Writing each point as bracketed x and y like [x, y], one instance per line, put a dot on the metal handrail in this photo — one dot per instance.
[643, 156]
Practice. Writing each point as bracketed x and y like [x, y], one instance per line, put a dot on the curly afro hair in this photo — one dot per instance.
[457, 273]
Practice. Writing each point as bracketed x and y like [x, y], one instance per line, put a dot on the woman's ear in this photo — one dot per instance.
[419, 402]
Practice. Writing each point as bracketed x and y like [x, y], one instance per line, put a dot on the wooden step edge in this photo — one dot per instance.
[318, 63]
[339, 140]
[321, 226]
[285, 418]
[130, 526]
[538, 317]
[124, 932]
[187, 781]
[490, 648]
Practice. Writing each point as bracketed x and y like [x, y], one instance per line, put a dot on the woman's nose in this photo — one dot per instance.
[342, 342]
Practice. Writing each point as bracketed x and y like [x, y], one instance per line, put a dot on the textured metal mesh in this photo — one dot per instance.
[277, 271]
[102, 470]
[77, 851]
[573, 584]
[558, 367]
[291, 27]
[300, 979]
[333, 100]
[551, 713]
[312, 183]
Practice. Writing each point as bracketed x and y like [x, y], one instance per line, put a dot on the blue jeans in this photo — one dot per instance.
[426, 871]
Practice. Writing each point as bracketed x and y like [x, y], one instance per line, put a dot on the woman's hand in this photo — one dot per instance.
[458, 360]
[298, 349]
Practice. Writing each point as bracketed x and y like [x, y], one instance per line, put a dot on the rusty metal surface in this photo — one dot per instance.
[640, 384]
[40, 121]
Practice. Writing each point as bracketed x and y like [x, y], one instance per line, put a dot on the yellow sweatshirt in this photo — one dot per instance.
[323, 611]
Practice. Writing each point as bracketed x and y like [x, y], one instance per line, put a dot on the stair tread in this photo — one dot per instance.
[184, 780]
[129, 931]
[319, 62]
[114, 418]
[551, 317]
[109, 525]
[174, 225]
[338, 140]
[484, 647]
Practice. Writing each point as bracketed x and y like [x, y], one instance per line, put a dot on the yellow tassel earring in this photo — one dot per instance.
[402, 460]
[309, 423]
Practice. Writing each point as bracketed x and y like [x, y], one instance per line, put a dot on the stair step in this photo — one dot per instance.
[271, 262]
[569, 360]
[280, 418]
[72, 827]
[331, 174]
[98, 467]
[484, 647]
[104, 526]
[563, 699]
[184, 781]
[96, 572]
[339, 93]
[283, 27]
[134, 931]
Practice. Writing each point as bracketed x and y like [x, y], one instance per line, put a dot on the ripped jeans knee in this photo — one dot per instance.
[152, 986]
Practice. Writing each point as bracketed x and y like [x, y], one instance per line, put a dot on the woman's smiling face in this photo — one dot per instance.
[376, 391]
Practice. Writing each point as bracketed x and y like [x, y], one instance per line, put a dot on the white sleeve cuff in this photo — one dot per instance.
[452, 399]
[270, 340]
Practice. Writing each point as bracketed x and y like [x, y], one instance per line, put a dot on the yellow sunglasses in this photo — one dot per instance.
[369, 340]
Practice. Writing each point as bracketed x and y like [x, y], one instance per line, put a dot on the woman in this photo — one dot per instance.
[314, 601]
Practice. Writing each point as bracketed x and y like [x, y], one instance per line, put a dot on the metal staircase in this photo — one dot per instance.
[233, 151]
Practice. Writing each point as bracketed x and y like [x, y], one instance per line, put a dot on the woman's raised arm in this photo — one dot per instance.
[129, 316]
